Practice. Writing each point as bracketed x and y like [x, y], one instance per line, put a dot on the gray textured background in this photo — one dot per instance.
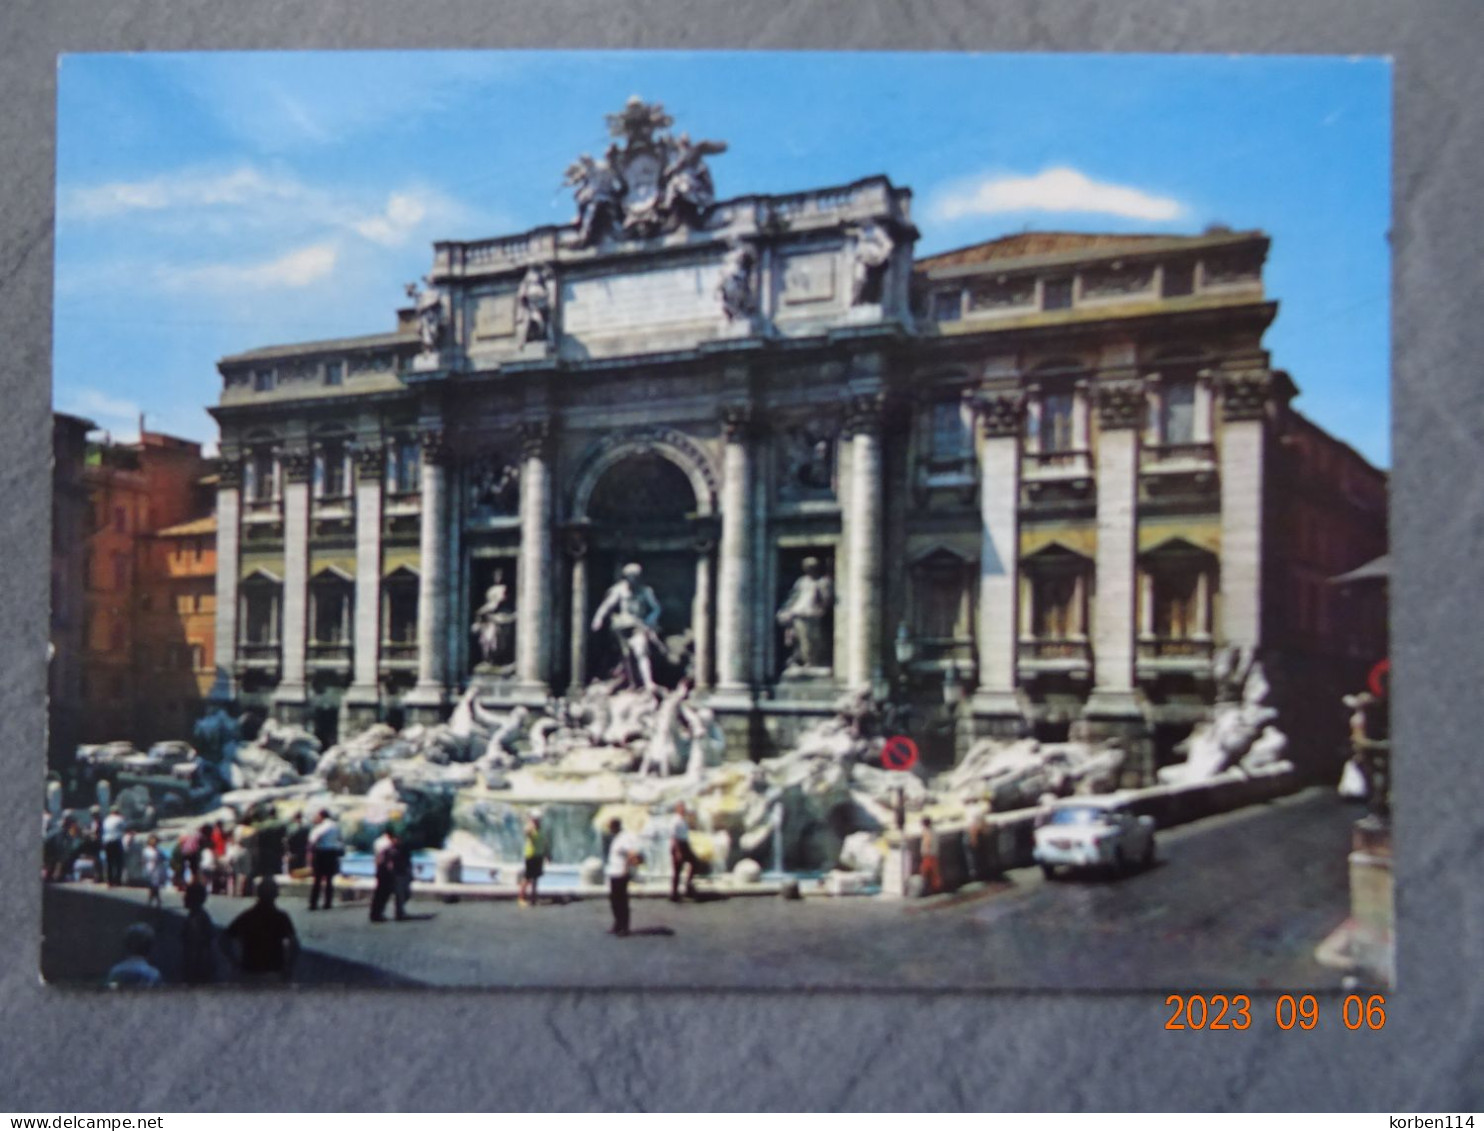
[474, 1050]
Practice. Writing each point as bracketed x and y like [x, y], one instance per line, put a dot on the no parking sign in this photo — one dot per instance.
[899, 753]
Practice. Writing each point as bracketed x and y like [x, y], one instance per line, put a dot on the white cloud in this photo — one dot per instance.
[1062, 189]
[297, 268]
[404, 212]
[245, 186]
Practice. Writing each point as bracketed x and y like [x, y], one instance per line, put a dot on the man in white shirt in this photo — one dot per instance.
[113, 846]
[624, 853]
[325, 849]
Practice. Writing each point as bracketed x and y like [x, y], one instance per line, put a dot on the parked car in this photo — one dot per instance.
[1093, 832]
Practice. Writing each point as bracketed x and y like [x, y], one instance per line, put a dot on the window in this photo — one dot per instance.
[260, 477]
[329, 470]
[1179, 279]
[948, 306]
[1056, 421]
[120, 571]
[116, 639]
[334, 372]
[400, 625]
[1177, 412]
[331, 597]
[198, 657]
[260, 612]
[942, 598]
[1176, 616]
[1056, 294]
[121, 519]
[406, 467]
[263, 379]
[952, 440]
[184, 603]
[1055, 604]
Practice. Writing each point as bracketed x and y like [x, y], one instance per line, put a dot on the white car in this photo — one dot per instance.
[1093, 832]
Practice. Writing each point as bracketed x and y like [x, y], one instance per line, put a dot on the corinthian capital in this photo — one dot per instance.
[1000, 412]
[534, 437]
[1121, 404]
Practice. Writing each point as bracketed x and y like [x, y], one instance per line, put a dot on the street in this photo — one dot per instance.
[1238, 901]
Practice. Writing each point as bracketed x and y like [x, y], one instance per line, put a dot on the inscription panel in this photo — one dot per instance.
[619, 303]
[808, 278]
[494, 316]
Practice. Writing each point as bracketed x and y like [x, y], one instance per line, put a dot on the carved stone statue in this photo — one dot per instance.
[688, 191]
[428, 301]
[651, 183]
[631, 612]
[735, 289]
[804, 617]
[873, 250]
[598, 191]
[494, 624]
[494, 485]
[533, 307]
[808, 462]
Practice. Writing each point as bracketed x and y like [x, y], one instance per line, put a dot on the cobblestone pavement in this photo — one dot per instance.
[1236, 902]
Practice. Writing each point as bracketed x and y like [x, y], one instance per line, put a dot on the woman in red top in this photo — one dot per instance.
[219, 847]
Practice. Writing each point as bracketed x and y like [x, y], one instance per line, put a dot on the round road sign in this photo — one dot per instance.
[899, 753]
[1379, 680]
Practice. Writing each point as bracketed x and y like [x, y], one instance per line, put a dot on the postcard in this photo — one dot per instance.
[737, 520]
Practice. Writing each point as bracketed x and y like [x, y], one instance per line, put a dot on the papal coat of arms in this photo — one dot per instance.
[654, 182]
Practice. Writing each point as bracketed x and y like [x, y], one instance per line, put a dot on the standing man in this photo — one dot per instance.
[393, 875]
[631, 611]
[112, 835]
[297, 843]
[325, 849]
[682, 856]
[535, 857]
[262, 941]
[623, 856]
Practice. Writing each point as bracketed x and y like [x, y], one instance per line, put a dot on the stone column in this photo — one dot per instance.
[577, 551]
[228, 570]
[701, 609]
[1000, 414]
[734, 583]
[292, 692]
[1122, 413]
[362, 697]
[533, 581]
[863, 534]
[429, 695]
[1244, 403]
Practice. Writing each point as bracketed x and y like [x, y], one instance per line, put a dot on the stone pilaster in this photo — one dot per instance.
[291, 695]
[1000, 415]
[577, 548]
[734, 583]
[228, 570]
[1122, 412]
[701, 625]
[430, 694]
[1245, 397]
[533, 581]
[863, 534]
[362, 696]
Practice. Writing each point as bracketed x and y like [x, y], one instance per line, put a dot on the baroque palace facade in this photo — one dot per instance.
[1030, 486]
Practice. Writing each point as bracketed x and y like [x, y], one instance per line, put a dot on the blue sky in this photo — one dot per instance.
[211, 203]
